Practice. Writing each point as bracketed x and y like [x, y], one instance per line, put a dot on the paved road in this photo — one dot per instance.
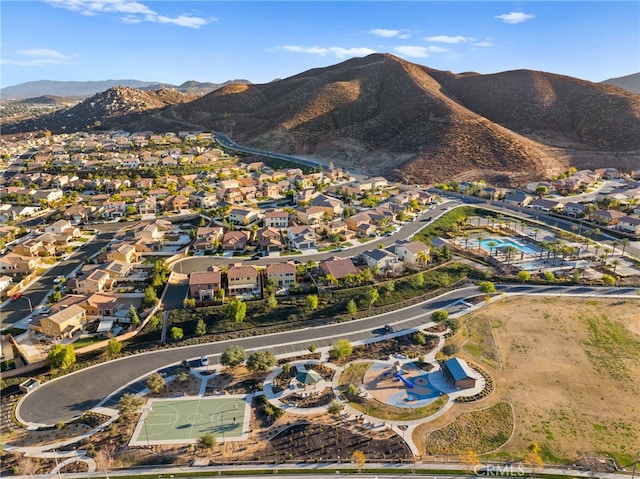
[12, 312]
[76, 393]
[201, 263]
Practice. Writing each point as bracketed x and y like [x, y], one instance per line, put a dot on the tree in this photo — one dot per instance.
[549, 276]
[272, 302]
[532, 458]
[61, 356]
[352, 307]
[129, 405]
[150, 297]
[233, 356]
[524, 276]
[335, 407]
[417, 281]
[261, 361]
[453, 324]
[236, 310]
[207, 441]
[104, 459]
[133, 316]
[608, 280]
[189, 302]
[201, 327]
[155, 383]
[372, 296]
[450, 349]
[471, 460]
[440, 316]
[113, 347]
[359, 459]
[177, 333]
[341, 349]
[182, 377]
[311, 302]
[487, 287]
[27, 465]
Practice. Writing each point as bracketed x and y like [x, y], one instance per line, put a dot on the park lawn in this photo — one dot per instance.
[354, 374]
[481, 431]
[86, 341]
[570, 369]
[380, 410]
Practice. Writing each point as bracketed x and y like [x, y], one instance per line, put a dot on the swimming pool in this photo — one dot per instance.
[503, 243]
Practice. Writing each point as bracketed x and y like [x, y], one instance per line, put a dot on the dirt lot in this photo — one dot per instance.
[569, 368]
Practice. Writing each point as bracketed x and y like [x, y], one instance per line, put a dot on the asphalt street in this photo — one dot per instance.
[78, 392]
[12, 312]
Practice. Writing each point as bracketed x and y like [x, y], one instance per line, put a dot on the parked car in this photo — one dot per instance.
[204, 360]
[388, 328]
[58, 279]
[16, 296]
[43, 310]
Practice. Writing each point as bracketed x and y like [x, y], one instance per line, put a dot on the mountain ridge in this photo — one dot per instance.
[385, 115]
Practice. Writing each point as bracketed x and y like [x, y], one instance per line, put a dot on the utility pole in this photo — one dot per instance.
[635, 464]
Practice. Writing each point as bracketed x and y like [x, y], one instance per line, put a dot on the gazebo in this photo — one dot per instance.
[308, 378]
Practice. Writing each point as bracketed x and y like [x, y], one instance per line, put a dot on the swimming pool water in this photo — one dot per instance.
[502, 243]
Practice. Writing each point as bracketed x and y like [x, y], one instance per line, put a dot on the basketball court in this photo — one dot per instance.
[184, 420]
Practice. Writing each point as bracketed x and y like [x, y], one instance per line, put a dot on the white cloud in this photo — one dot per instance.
[412, 51]
[38, 57]
[484, 43]
[515, 17]
[132, 11]
[437, 49]
[338, 52]
[384, 33]
[447, 39]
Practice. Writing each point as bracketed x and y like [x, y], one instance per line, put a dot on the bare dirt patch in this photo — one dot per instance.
[568, 370]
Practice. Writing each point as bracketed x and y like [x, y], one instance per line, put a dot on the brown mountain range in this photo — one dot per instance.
[390, 116]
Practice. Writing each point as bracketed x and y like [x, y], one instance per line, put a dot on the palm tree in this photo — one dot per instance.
[423, 257]
[465, 235]
[509, 251]
[614, 244]
[625, 243]
[480, 240]
[491, 244]
[615, 264]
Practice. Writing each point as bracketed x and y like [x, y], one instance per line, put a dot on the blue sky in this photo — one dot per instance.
[216, 41]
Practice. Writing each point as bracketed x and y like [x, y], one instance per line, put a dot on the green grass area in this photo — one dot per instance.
[290, 253]
[354, 374]
[86, 341]
[375, 408]
[481, 343]
[610, 346]
[440, 226]
[480, 431]
[13, 331]
[81, 239]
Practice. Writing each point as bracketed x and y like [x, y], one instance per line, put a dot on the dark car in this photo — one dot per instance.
[389, 329]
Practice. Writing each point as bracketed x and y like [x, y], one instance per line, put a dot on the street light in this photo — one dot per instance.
[30, 307]
[222, 425]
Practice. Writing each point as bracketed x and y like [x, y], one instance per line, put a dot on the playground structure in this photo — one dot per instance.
[396, 372]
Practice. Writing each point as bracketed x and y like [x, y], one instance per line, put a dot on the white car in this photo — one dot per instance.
[58, 279]
[204, 360]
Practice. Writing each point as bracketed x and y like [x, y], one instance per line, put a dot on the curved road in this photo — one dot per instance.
[71, 395]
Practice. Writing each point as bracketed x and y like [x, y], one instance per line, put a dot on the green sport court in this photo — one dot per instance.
[184, 420]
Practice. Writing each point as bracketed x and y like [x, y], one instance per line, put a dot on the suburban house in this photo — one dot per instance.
[576, 210]
[78, 214]
[207, 237]
[242, 280]
[629, 224]
[204, 285]
[62, 227]
[412, 252]
[332, 206]
[125, 252]
[203, 199]
[150, 232]
[243, 216]
[118, 269]
[35, 247]
[146, 206]
[283, 275]
[384, 260]
[61, 324]
[458, 373]
[339, 268]
[312, 215]
[14, 263]
[543, 204]
[95, 282]
[270, 239]
[301, 237]
[606, 217]
[103, 305]
[276, 219]
[518, 198]
[235, 240]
